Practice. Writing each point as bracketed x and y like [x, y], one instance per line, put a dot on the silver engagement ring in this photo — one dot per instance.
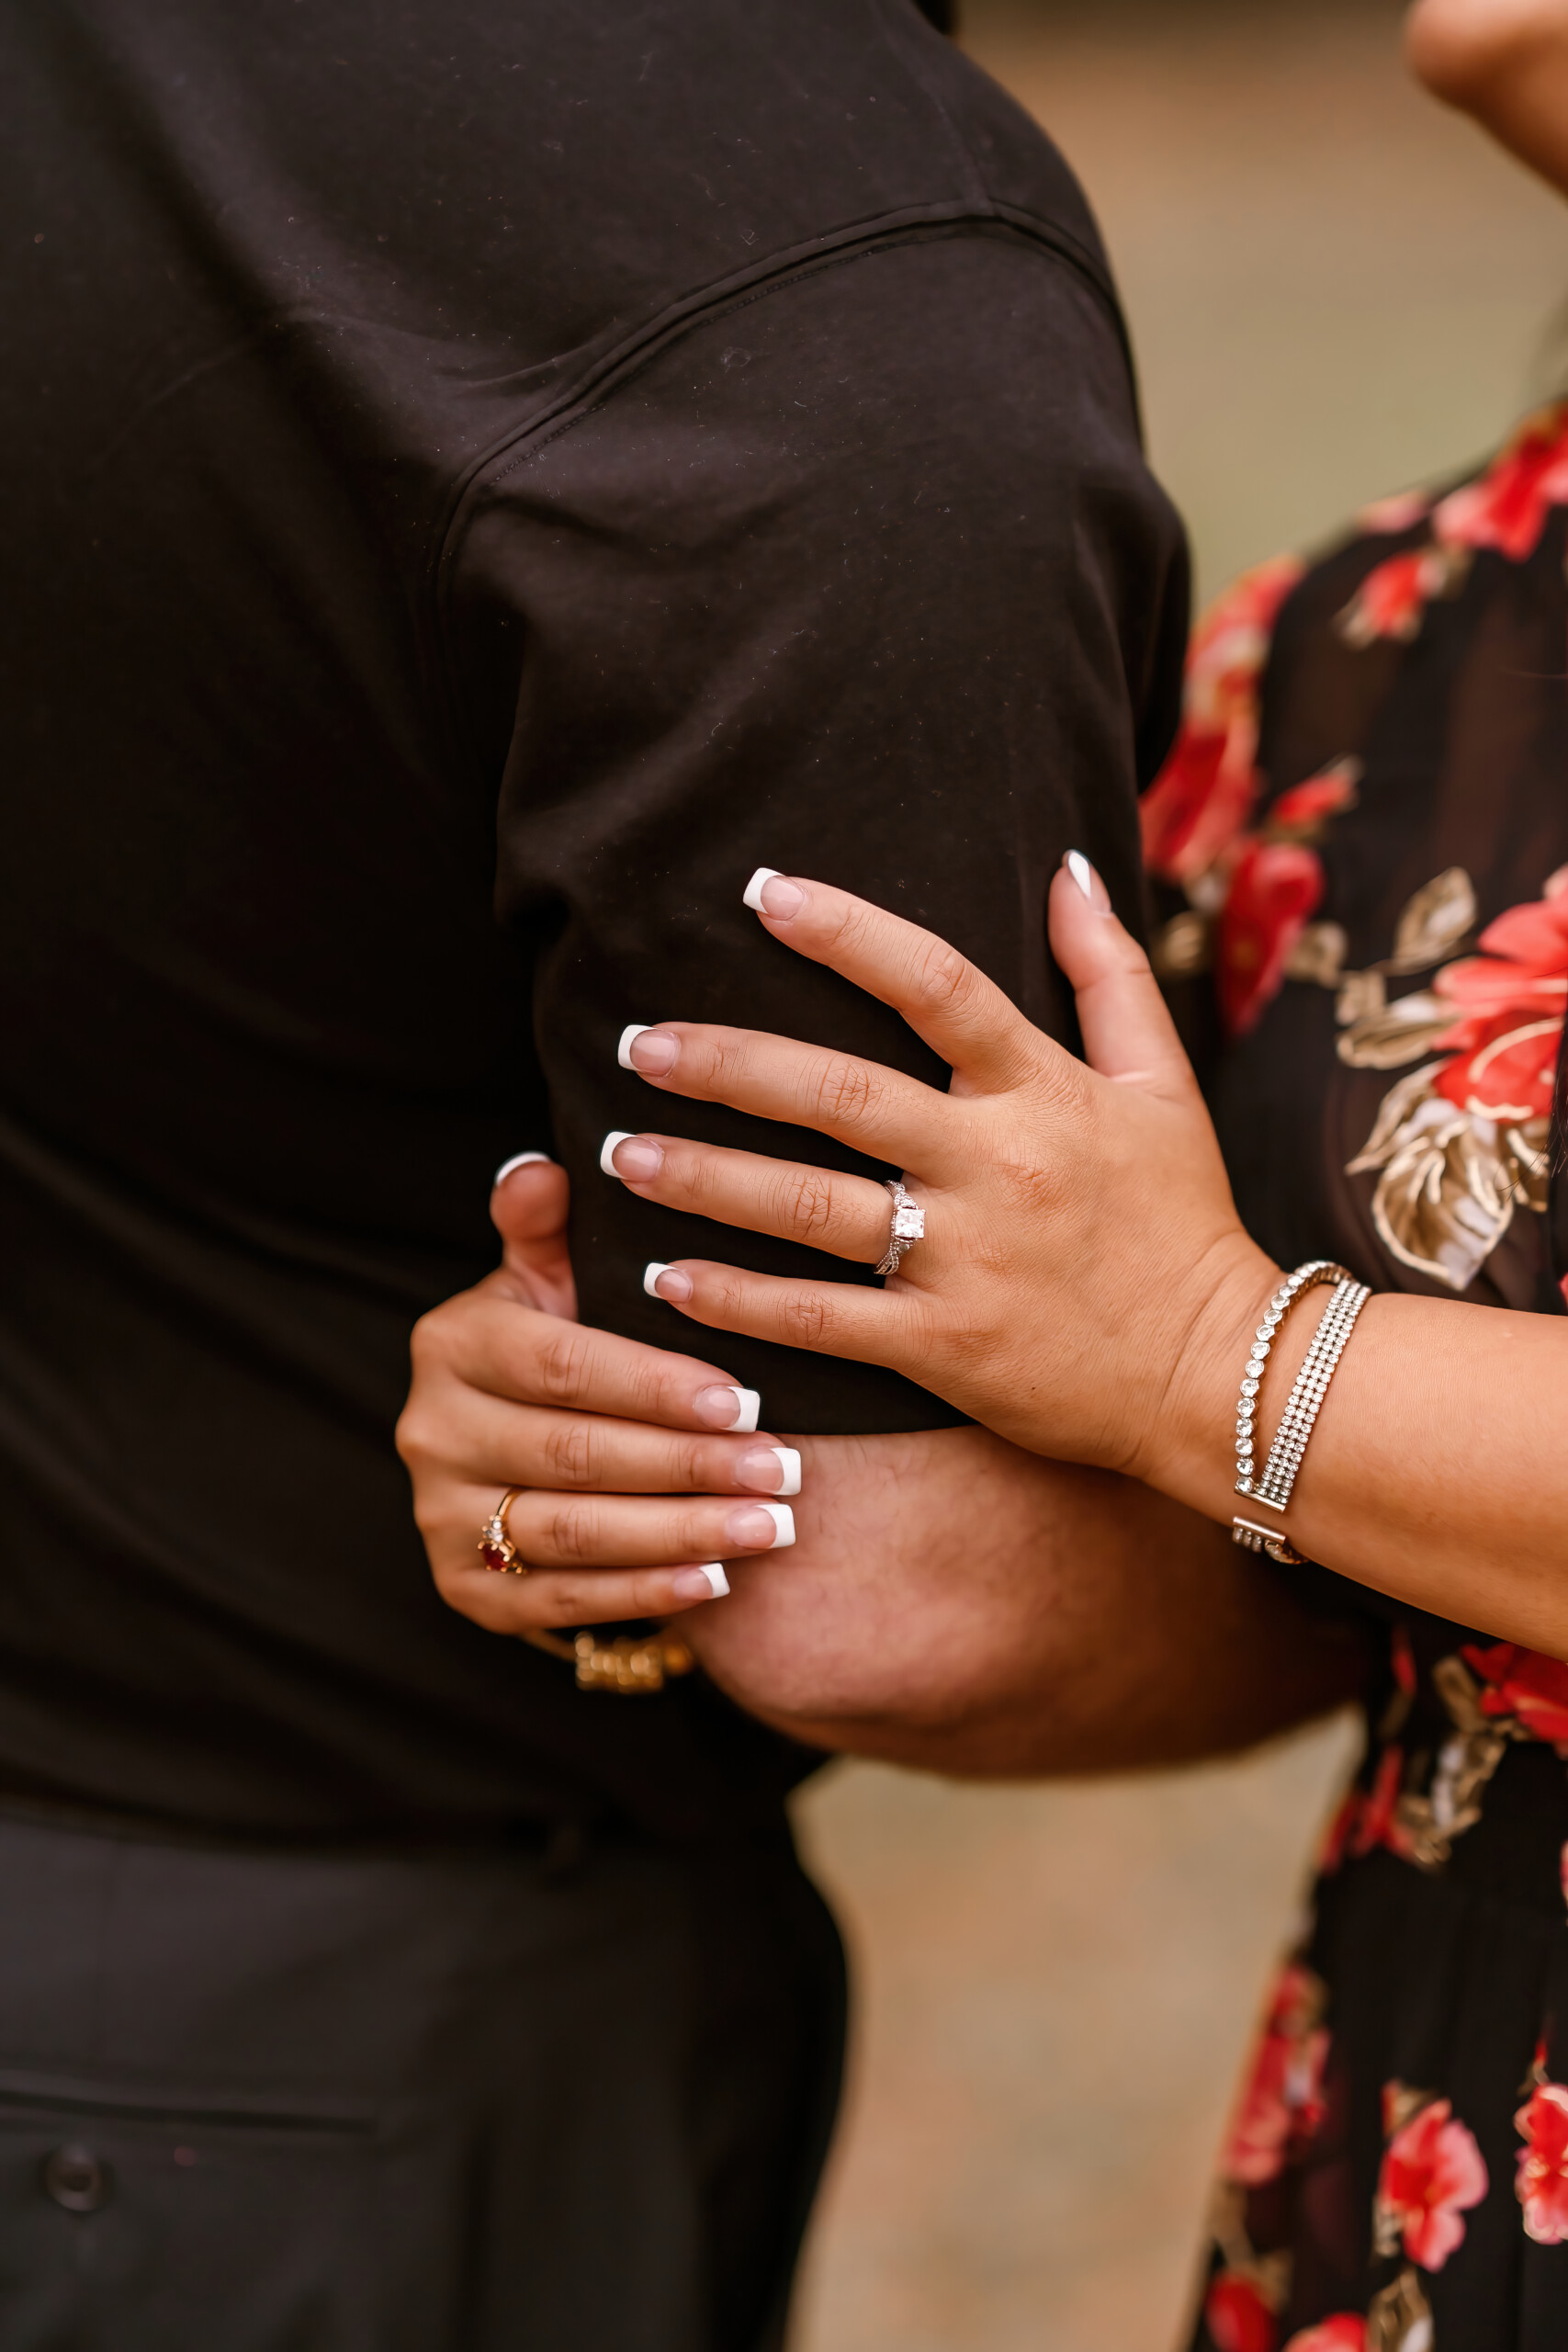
[908, 1227]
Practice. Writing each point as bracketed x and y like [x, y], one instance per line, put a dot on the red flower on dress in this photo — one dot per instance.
[1507, 505]
[1369, 1818]
[1400, 513]
[1542, 2177]
[1505, 508]
[1511, 1002]
[1275, 888]
[1524, 1684]
[1202, 796]
[1391, 600]
[1308, 806]
[1237, 2317]
[1432, 2172]
[1281, 2105]
[1378, 1823]
[1345, 2332]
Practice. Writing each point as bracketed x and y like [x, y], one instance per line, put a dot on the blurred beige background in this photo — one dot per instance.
[1334, 288]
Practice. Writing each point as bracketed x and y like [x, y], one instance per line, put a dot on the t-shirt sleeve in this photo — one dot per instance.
[861, 576]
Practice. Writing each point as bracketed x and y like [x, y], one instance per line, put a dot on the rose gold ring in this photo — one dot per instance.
[495, 1547]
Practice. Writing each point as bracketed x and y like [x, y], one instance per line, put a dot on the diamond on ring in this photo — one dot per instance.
[907, 1227]
[495, 1547]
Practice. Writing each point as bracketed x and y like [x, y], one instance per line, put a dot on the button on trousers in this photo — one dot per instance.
[454, 2100]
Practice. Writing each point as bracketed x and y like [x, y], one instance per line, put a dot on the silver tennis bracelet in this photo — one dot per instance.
[1270, 1487]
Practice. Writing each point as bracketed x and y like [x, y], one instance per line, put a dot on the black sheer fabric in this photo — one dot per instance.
[1370, 949]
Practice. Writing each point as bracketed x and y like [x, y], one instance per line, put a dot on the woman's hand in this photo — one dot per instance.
[1082, 1253]
[1084, 1286]
[633, 1492]
[952, 1603]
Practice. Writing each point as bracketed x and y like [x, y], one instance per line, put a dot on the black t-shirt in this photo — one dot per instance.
[475, 482]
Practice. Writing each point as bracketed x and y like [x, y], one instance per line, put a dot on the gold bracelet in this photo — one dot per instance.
[627, 1665]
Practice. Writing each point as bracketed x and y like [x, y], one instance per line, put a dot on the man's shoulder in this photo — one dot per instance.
[558, 174]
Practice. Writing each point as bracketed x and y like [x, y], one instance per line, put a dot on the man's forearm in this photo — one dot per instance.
[959, 1606]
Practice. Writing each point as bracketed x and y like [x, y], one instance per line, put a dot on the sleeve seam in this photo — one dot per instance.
[602, 382]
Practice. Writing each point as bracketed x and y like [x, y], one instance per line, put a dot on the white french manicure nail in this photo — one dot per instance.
[789, 1463]
[518, 1159]
[623, 1051]
[616, 1135]
[752, 894]
[718, 1583]
[747, 1411]
[784, 1519]
[1082, 873]
[652, 1271]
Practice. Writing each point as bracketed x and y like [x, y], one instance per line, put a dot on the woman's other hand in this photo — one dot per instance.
[1082, 1258]
[640, 1470]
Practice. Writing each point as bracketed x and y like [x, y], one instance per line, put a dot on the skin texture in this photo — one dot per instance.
[951, 1601]
[1085, 1286]
[1504, 62]
[954, 1605]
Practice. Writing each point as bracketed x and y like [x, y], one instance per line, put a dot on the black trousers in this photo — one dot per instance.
[457, 2100]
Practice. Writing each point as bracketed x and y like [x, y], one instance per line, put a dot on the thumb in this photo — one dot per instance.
[527, 1207]
[1128, 1034]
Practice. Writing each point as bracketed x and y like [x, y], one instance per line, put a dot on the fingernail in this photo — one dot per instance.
[623, 1051]
[518, 1159]
[774, 1468]
[607, 1149]
[678, 1287]
[724, 1409]
[1088, 880]
[761, 1527]
[767, 893]
[708, 1583]
[652, 1053]
[636, 1159]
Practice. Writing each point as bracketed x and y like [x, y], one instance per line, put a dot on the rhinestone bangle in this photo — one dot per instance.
[1329, 1342]
[1246, 1531]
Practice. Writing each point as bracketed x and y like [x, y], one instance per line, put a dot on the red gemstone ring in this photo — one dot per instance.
[496, 1548]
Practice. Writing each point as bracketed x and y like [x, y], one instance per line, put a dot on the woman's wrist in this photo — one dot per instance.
[1190, 1455]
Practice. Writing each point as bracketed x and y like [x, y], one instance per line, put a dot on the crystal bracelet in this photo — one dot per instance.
[1272, 1489]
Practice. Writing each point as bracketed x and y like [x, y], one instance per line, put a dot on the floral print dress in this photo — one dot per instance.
[1359, 856]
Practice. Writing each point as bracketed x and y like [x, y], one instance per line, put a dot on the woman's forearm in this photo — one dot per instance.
[1438, 1470]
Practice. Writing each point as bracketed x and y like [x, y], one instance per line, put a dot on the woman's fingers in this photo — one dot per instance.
[490, 1443]
[946, 1000]
[1128, 1032]
[849, 1216]
[491, 1343]
[591, 1559]
[574, 1531]
[542, 1603]
[530, 1196]
[873, 1109]
[830, 1318]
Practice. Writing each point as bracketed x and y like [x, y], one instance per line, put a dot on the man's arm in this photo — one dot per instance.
[960, 1606]
[952, 1603]
[863, 575]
